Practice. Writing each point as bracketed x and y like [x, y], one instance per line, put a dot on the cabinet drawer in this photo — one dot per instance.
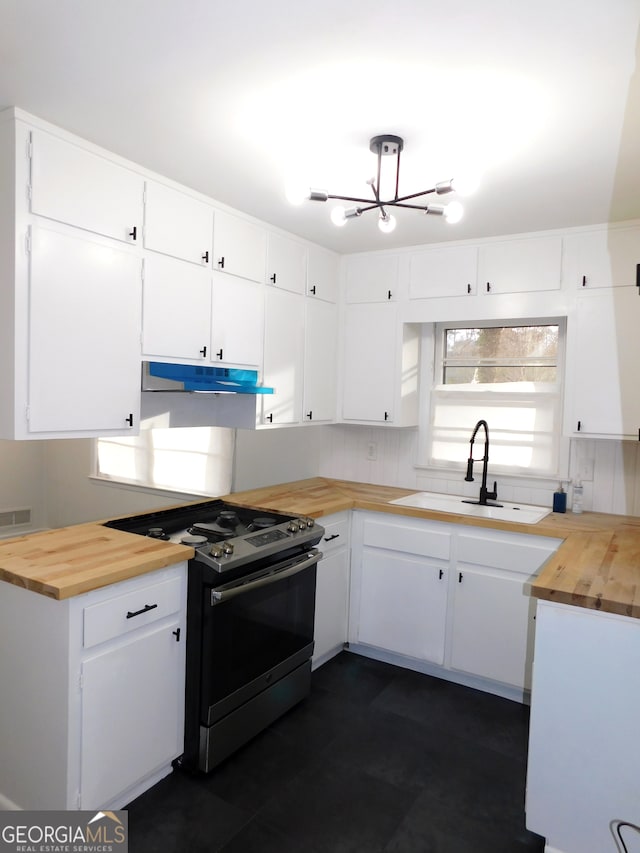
[516, 556]
[336, 535]
[135, 609]
[410, 538]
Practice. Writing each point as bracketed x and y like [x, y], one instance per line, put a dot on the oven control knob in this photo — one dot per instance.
[310, 522]
[302, 524]
[216, 552]
[227, 549]
[292, 527]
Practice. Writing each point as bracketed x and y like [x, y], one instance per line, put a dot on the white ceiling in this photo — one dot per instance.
[237, 98]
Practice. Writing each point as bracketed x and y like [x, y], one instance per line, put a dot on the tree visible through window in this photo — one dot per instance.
[510, 376]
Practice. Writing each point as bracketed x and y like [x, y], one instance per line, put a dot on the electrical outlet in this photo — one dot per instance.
[372, 451]
[586, 470]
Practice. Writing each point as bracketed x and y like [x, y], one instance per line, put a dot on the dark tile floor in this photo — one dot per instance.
[377, 760]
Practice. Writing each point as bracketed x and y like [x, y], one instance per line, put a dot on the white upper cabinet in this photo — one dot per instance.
[286, 264]
[84, 335]
[380, 371]
[75, 186]
[320, 361]
[602, 258]
[372, 278]
[443, 272]
[283, 356]
[177, 224]
[176, 306]
[518, 266]
[603, 354]
[239, 247]
[237, 321]
[322, 274]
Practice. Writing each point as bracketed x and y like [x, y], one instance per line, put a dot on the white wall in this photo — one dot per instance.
[52, 477]
[23, 480]
[263, 458]
[615, 486]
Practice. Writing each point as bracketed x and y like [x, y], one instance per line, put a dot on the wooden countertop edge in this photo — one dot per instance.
[573, 575]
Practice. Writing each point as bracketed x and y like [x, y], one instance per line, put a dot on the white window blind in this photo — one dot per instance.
[194, 460]
[480, 376]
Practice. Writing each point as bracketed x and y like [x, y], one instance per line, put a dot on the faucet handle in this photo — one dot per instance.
[494, 494]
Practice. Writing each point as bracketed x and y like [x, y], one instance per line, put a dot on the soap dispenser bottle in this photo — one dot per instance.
[560, 499]
[576, 504]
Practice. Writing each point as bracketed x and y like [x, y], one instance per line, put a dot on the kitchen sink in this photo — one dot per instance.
[521, 513]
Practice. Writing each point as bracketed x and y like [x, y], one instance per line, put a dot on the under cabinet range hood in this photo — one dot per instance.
[196, 378]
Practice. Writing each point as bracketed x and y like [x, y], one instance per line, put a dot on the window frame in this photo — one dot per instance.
[434, 343]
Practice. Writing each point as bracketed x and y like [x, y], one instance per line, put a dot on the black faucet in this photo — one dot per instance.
[487, 498]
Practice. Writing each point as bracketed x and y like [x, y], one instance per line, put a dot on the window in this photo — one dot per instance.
[510, 376]
[194, 460]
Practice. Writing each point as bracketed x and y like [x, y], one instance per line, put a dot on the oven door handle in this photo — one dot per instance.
[220, 596]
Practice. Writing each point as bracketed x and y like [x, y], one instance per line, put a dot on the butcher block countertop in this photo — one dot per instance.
[597, 566]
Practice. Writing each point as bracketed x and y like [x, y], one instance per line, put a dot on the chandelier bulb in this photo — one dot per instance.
[453, 212]
[338, 216]
[386, 223]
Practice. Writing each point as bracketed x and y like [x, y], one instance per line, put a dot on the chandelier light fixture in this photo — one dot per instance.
[388, 145]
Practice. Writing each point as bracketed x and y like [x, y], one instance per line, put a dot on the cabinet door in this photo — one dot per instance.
[239, 247]
[516, 266]
[603, 357]
[84, 334]
[237, 321]
[177, 224]
[492, 627]
[369, 362]
[372, 278]
[332, 597]
[283, 356]
[79, 188]
[320, 362]
[403, 603]
[286, 264]
[132, 713]
[443, 272]
[603, 258]
[322, 274]
[176, 309]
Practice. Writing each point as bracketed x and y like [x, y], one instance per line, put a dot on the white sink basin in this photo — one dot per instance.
[521, 513]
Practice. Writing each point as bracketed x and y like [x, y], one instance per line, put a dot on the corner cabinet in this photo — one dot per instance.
[111, 664]
[380, 371]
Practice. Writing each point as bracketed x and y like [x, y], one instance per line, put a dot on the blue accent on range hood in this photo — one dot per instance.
[203, 378]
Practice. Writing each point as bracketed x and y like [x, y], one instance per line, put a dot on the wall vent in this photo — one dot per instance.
[15, 518]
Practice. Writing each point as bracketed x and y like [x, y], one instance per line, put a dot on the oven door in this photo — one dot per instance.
[256, 630]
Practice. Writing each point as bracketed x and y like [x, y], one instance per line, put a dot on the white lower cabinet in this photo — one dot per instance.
[97, 716]
[435, 594]
[403, 601]
[491, 626]
[400, 571]
[332, 589]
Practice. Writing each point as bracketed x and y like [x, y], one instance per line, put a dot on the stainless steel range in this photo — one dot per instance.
[250, 617]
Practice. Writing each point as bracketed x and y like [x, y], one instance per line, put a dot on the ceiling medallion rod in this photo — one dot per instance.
[387, 145]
